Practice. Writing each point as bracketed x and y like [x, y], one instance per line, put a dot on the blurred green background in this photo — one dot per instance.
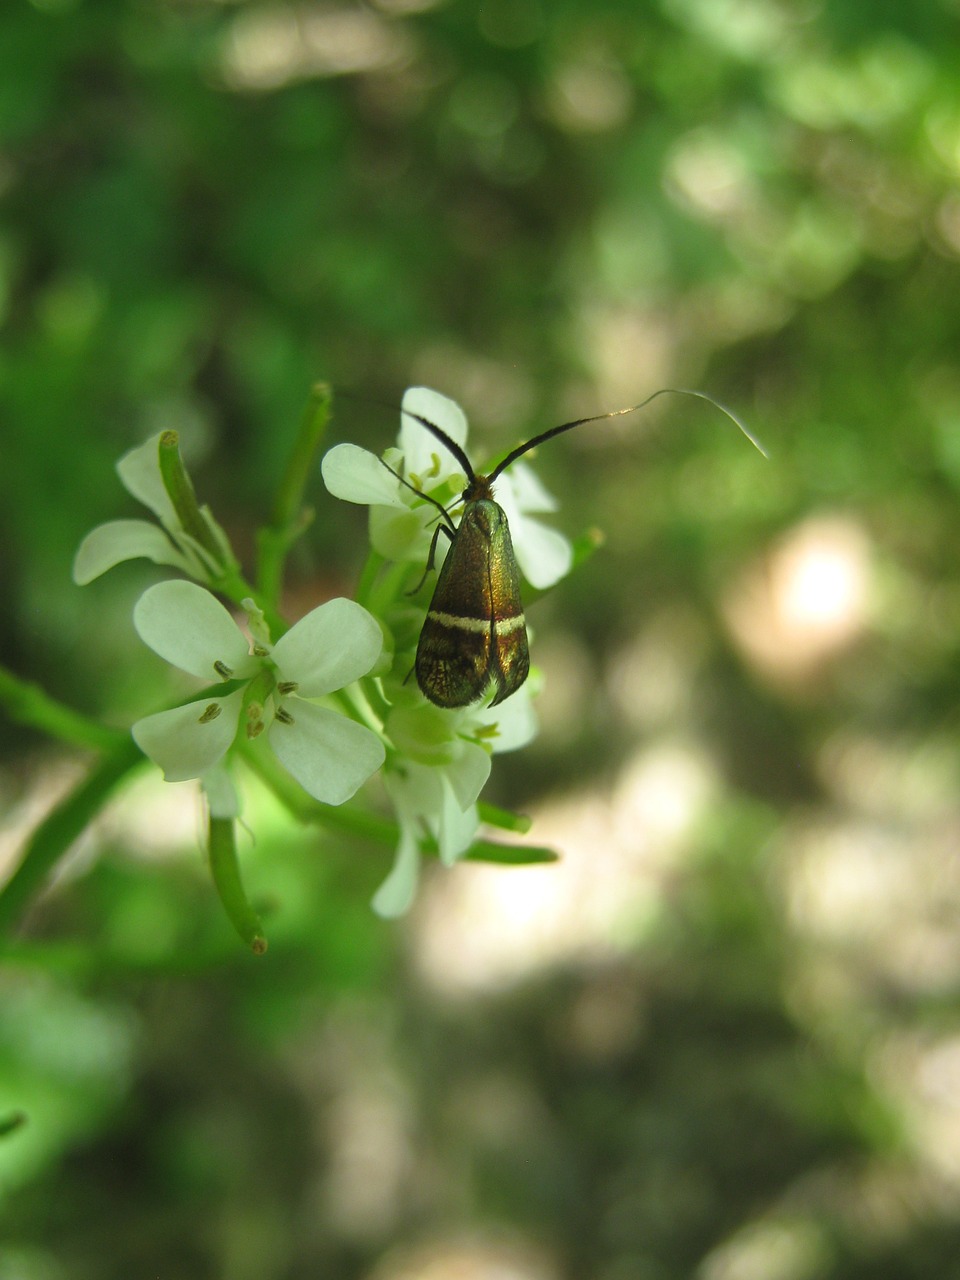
[721, 1039]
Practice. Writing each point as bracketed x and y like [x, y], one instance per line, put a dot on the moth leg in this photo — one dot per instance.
[441, 528]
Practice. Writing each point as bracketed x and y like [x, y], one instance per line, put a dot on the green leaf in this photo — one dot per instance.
[27, 703]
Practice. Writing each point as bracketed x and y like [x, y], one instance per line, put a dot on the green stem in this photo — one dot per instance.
[226, 876]
[290, 518]
[226, 578]
[510, 855]
[180, 490]
[504, 819]
[59, 829]
[380, 830]
[28, 704]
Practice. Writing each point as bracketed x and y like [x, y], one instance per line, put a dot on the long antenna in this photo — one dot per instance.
[521, 449]
[444, 439]
[432, 427]
[420, 494]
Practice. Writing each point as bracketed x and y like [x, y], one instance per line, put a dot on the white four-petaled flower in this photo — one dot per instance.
[329, 754]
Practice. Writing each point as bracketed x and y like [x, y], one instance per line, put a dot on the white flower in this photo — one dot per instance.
[402, 523]
[435, 786]
[167, 543]
[220, 792]
[329, 754]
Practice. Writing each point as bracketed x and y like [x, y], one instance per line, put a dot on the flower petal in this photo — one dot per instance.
[140, 472]
[221, 793]
[396, 894]
[427, 734]
[418, 445]
[543, 554]
[456, 827]
[527, 490]
[406, 534]
[329, 755]
[516, 721]
[185, 624]
[422, 793]
[188, 741]
[357, 475]
[118, 540]
[331, 646]
[414, 792]
[468, 773]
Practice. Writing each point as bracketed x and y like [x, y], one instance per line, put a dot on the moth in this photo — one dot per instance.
[475, 632]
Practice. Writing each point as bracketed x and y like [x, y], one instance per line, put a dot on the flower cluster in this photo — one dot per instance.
[331, 696]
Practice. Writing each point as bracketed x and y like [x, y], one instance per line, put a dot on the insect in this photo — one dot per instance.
[475, 631]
